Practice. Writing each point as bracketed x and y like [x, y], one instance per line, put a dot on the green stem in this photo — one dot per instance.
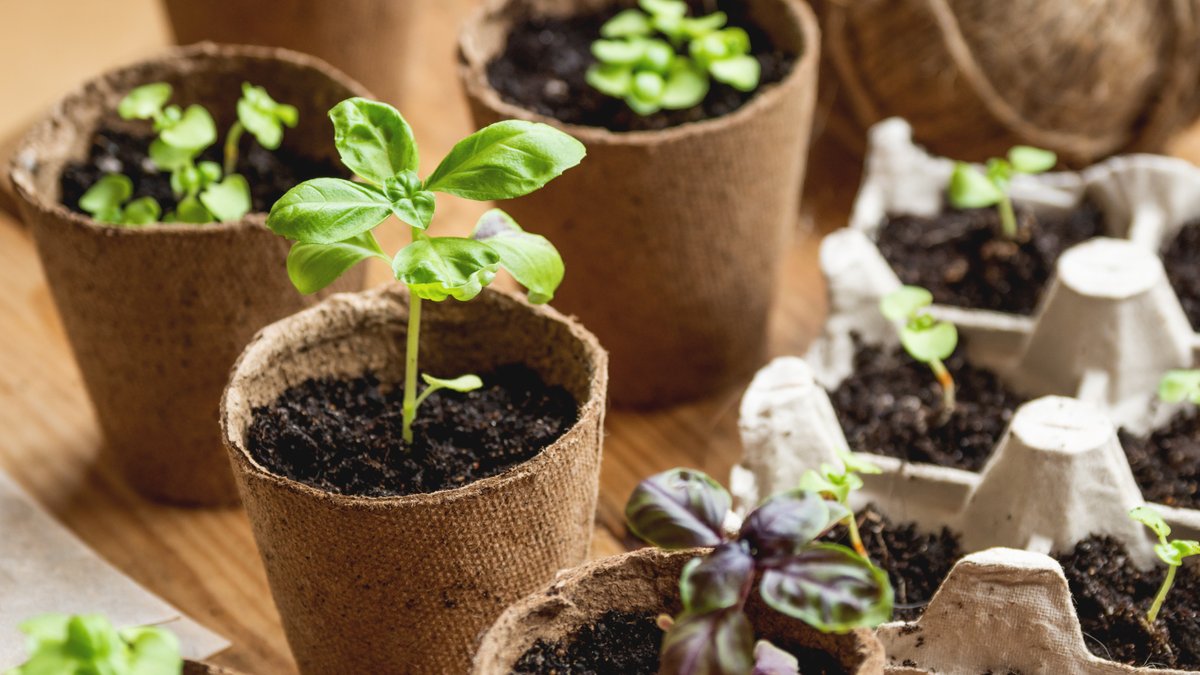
[231, 147]
[1008, 217]
[424, 395]
[410, 359]
[947, 382]
[855, 537]
[1152, 615]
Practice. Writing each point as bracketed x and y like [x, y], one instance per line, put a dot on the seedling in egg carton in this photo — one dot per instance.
[971, 188]
[926, 339]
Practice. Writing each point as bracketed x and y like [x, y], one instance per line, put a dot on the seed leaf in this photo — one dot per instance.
[312, 267]
[686, 85]
[937, 340]
[971, 189]
[610, 79]
[739, 72]
[263, 116]
[1180, 385]
[530, 258]
[142, 211]
[718, 643]
[505, 160]
[679, 508]
[196, 130]
[328, 210]
[904, 302]
[462, 383]
[1027, 159]
[619, 52]
[144, 102]
[107, 194]
[373, 139]
[626, 23]
[830, 588]
[436, 268]
[229, 199]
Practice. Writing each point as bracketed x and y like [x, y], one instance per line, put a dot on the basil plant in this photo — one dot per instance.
[88, 644]
[331, 220]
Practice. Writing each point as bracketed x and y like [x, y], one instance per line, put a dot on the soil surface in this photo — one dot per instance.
[892, 405]
[270, 173]
[345, 436]
[1179, 257]
[1166, 463]
[1113, 595]
[545, 59]
[963, 259]
[916, 562]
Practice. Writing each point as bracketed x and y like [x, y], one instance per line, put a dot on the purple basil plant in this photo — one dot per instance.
[827, 586]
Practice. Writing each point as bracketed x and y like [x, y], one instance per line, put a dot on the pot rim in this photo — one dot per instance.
[592, 406]
[472, 65]
[20, 170]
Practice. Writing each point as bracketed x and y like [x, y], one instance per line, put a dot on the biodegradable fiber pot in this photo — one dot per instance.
[646, 581]
[157, 315]
[675, 238]
[373, 585]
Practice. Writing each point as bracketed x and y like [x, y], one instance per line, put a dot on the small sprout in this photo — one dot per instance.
[971, 188]
[1178, 386]
[829, 587]
[259, 114]
[1170, 551]
[926, 339]
[332, 220]
[87, 643]
[639, 60]
[107, 201]
[837, 483]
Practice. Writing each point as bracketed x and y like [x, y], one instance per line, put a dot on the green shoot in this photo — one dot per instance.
[332, 220]
[971, 188]
[1180, 385]
[926, 339]
[108, 202]
[639, 57]
[88, 643]
[1170, 551]
[837, 483]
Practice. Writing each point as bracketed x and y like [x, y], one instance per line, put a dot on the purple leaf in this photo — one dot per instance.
[771, 660]
[679, 508]
[717, 581]
[785, 523]
[718, 643]
[831, 588]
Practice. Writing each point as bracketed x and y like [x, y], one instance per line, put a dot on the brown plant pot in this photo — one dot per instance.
[645, 581]
[375, 585]
[363, 38]
[674, 239]
[157, 315]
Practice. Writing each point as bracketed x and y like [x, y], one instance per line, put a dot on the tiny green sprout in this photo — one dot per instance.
[1180, 385]
[925, 338]
[89, 644]
[1170, 551]
[332, 220]
[837, 483]
[971, 188]
[639, 57]
[108, 202]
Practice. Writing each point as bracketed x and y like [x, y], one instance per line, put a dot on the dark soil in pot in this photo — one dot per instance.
[1112, 596]
[1166, 463]
[624, 643]
[916, 562]
[345, 436]
[270, 173]
[961, 257]
[1179, 257]
[544, 62]
[892, 405]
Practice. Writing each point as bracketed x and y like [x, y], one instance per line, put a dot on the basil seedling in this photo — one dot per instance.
[829, 587]
[924, 338]
[87, 643]
[836, 483]
[639, 57]
[1170, 551]
[1180, 385]
[108, 202]
[971, 188]
[331, 219]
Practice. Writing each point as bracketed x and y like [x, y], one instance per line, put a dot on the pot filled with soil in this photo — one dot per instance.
[157, 312]
[677, 226]
[382, 552]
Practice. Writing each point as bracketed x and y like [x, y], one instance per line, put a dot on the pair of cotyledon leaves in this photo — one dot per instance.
[331, 219]
[87, 644]
[924, 338]
[825, 585]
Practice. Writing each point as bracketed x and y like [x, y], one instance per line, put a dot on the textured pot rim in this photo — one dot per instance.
[593, 406]
[472, 67]
[83, 94]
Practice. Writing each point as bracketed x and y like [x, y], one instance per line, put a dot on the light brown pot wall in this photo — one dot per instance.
[673, 239]
[157, 315]
[408, 584]
[366, 39]
[645, 581]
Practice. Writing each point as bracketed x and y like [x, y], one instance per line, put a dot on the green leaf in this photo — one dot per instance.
[936, 340]
[610, 79]
[904, 302]
[263, 117]
[436, 268]
[373, 139]
[647, 87]
[107, 195]
[210, 172]
[328, 210]
[1153, 520]
[1180, 385]
[657, 57]
[312, 267]
[409, 202]
[144, 102]
[619, 52]
[462, 383]
[970, 189]
[715, 582]
[718, 643]
[228, 200]
[857, 464]
[191, 210]
[626, 23]
[676, 8]
[530, 258]
[142, 211]
[87, 644]
[686, 85]
[196, 130]
[642, 107]
[170, 158]
[698, 27]
[1028, 159]
[739, 72]
[505, 160]
[680, 508]
[153, 651]
[829, 587]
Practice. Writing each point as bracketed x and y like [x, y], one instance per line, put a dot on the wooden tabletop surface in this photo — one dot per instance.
[204, 561]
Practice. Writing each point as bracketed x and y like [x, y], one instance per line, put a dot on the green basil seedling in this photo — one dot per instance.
[331, 220]
[1170, 551]
[87, 643]
[971, 188]
[639, 60]
[108, 202]
[924, 338]
[836, 483]
[1180, 385]
[829, 587]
